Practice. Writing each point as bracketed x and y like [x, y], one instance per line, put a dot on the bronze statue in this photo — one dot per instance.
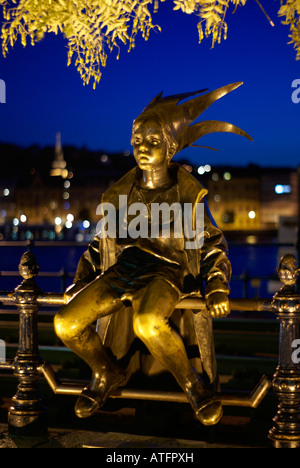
[130, 285]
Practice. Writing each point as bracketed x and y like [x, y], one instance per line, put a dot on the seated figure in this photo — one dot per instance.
[131, 284]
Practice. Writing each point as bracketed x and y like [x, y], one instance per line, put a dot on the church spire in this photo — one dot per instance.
[59, 165]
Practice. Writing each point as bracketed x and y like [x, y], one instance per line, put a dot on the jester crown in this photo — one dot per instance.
[179, 117]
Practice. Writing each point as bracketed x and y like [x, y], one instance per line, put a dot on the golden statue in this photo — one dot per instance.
[130, 283]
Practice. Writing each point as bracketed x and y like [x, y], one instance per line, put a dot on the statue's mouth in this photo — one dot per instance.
[143, 157]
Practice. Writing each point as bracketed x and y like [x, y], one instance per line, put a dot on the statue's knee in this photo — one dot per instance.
[146, 326]
[59, 325]
[64, 328]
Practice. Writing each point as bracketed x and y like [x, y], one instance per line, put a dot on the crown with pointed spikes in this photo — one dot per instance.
[179, 117]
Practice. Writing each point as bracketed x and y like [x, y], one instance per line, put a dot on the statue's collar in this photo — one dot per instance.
[189, 188]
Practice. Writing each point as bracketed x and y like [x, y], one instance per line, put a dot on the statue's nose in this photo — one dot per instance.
[143, 147]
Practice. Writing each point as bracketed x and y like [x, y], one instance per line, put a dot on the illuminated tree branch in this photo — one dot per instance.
[93, 28]
[290, 9]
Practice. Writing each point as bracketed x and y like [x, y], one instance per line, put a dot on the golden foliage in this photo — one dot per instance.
[290, 9]
[211, 15]
[91, 27]
[94, 27]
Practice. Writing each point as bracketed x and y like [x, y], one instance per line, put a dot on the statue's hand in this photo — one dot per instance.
[218, 304]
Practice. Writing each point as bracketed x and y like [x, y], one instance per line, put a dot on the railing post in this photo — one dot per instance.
[63, 275]
[286, 380]
[245, 279]
[27, 415]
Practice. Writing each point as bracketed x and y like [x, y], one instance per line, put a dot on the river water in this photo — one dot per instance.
[258, 260]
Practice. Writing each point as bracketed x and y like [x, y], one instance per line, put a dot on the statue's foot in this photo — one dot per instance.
[207, 407]
[97, 392]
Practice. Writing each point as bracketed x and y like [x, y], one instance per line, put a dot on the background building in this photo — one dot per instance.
[49, 193]
[235, 198]
[279, 196]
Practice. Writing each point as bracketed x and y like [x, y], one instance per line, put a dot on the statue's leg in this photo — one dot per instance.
[73, 325]
[152, 311]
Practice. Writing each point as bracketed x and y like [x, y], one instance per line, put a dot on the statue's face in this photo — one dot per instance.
[150, 147]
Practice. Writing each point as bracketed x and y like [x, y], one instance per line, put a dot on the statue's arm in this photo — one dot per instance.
[87, 270]
[215, 268]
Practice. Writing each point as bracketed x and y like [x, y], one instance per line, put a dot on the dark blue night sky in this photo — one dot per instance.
[45, 96]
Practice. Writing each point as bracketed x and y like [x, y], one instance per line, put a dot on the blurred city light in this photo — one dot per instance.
[227, 176]
[282, 189]
[202, 169]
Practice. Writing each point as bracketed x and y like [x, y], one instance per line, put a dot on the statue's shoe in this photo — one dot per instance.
[207, 407]
[209, 412]
[96, 393]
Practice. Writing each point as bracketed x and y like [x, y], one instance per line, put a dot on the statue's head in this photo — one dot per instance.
[166, 127]
[153, 142]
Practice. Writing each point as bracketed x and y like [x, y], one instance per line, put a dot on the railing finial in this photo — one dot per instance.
[288, 270]
[28, 267]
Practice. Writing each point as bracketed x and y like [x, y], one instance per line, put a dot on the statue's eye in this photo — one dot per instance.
[154, 141]
[136, 140]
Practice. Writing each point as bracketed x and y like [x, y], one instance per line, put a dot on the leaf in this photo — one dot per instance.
[282, 11]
